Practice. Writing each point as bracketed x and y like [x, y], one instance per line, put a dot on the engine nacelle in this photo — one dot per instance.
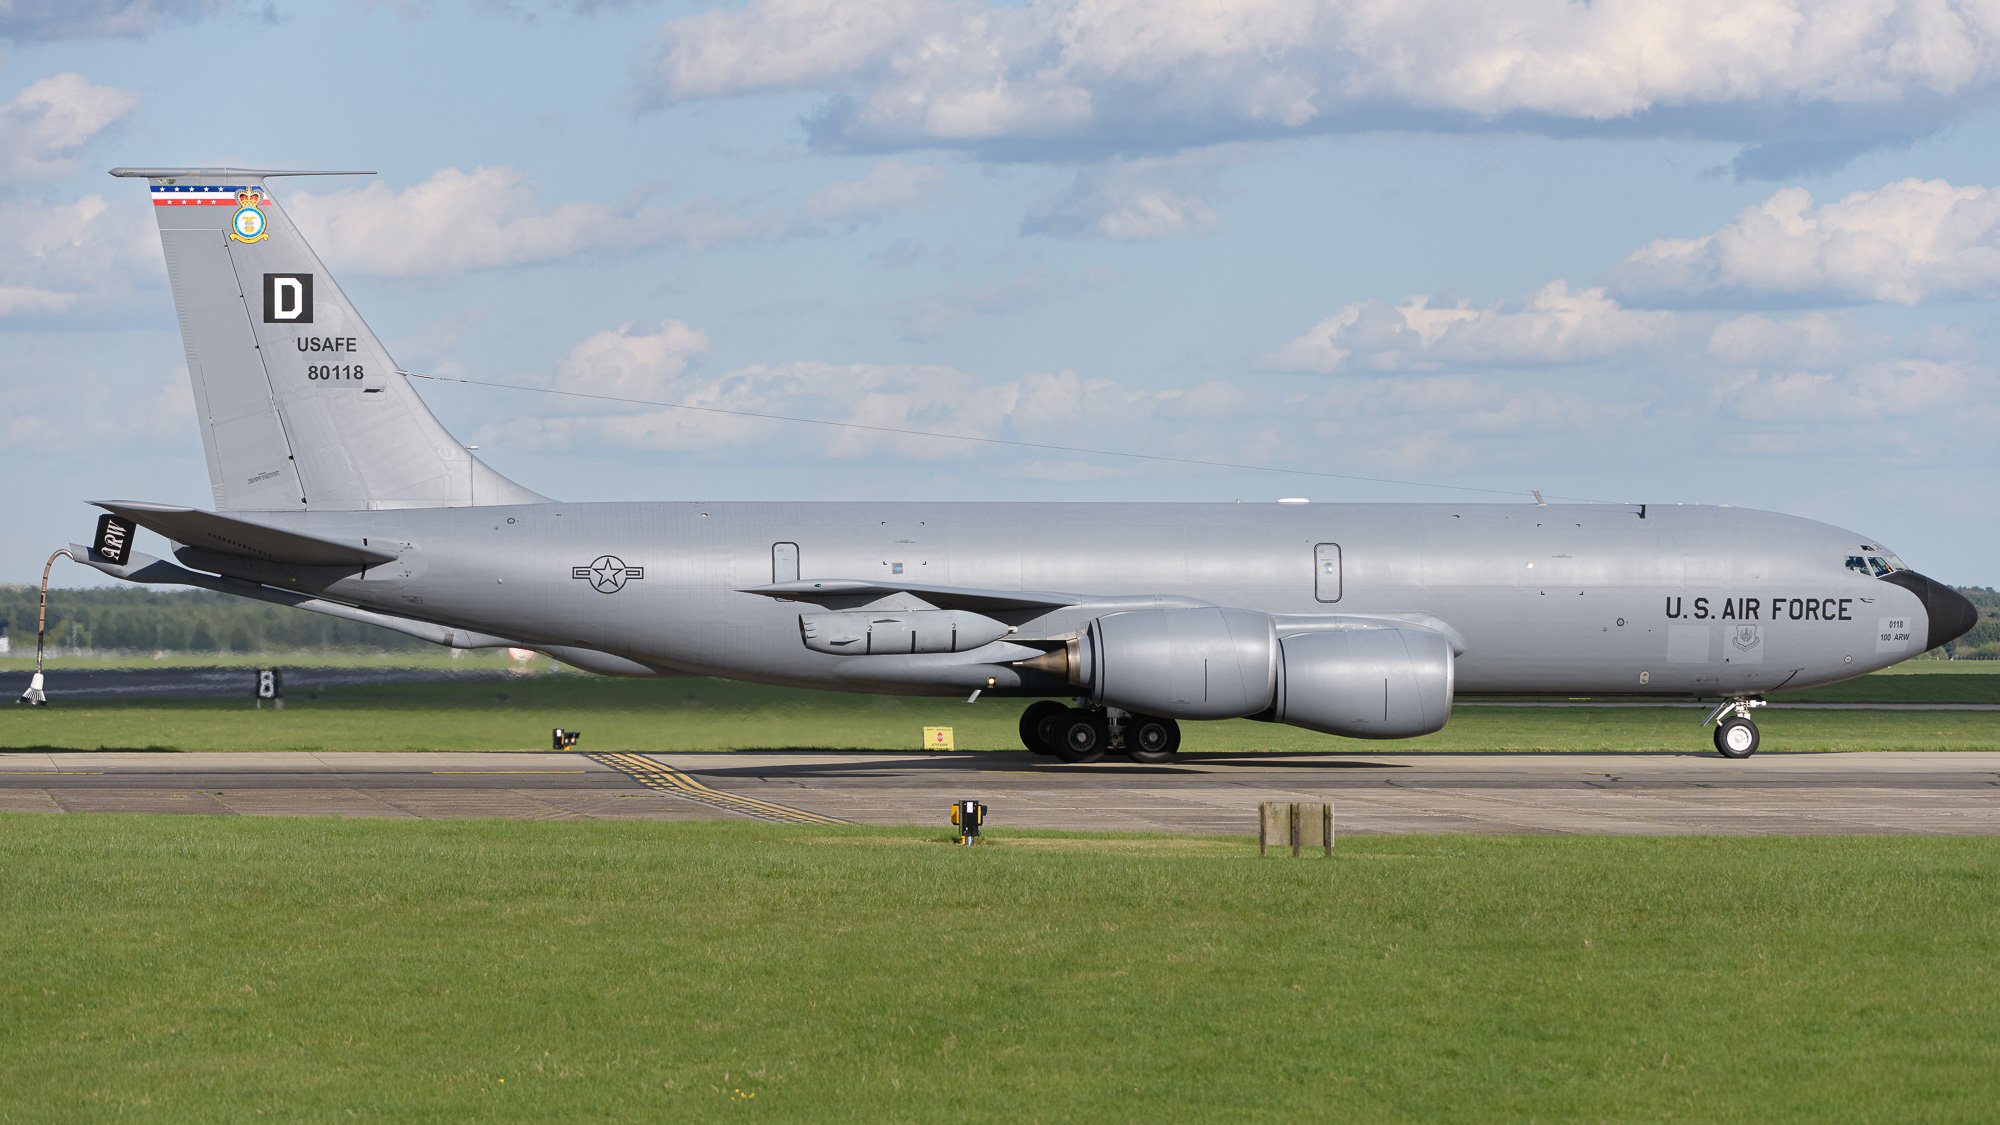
[1365, 683]
[1210, 663]
[864, 633]
[1205, 663]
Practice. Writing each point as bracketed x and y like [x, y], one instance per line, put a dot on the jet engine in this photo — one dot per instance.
[1365, 681]
[1206, 663]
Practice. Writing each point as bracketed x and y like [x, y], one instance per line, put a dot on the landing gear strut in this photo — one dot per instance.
[1736, 735]
[1085, 734]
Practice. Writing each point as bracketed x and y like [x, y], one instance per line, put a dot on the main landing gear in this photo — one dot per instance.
[1735, 735]
[1085, 734]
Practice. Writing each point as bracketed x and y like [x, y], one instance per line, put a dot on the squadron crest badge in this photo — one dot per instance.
[247, 225]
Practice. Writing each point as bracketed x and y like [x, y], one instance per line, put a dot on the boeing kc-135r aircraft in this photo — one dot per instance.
[338, 492]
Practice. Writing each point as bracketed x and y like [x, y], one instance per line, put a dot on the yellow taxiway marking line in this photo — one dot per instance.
[683, 781]
[667, 779]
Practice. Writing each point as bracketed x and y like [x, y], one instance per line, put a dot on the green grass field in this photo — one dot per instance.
[703, 714]
[22, 660]
[224, 968]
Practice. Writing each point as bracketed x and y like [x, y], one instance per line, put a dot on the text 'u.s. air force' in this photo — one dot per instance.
[1757, 609]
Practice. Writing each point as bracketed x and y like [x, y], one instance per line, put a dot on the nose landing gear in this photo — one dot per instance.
[1735, 736]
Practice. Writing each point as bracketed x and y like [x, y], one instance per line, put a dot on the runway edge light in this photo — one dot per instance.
[968, 815]
[562, 739]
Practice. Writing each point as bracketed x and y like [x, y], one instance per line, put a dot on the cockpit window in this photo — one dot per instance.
[1876, 565]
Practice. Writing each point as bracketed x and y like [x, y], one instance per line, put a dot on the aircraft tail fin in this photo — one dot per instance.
[301, 407]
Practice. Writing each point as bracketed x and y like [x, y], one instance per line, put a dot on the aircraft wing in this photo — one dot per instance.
[943, 597]
[233, 535]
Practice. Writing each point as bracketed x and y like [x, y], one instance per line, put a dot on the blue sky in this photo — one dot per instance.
[1739, 252]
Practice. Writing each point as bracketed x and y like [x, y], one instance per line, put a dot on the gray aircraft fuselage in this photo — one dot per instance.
[1564, 599]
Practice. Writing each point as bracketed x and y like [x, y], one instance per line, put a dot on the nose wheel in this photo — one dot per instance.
[1736, 736]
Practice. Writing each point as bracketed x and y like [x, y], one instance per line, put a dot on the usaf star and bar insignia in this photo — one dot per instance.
[607, 574]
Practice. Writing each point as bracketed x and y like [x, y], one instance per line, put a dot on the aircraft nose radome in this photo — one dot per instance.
[1951, 615]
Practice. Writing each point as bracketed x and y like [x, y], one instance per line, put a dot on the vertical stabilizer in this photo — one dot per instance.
[301, 407]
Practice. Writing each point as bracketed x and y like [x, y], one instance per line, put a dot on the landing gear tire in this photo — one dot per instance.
[1151, 739]
[1035, 722]
[1080, 736]
[1736, 737]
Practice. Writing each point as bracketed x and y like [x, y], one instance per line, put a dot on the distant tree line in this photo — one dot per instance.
[140, 620]
[1983, 643]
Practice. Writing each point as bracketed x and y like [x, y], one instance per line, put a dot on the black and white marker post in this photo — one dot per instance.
[271, 686]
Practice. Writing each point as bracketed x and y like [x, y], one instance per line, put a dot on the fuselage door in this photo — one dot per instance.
[1326, 572]
[784, 562]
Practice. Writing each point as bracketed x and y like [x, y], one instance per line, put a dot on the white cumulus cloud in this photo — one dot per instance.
[1133, 200]
[1903, 243]
[73, 255]
[45, 127]
[491, 216]
[1871, 392]
[1811, 339]
[631, 363]
[91, 19]
[888, 187]
[1147, 74]
[878, 409]
[1553, 326]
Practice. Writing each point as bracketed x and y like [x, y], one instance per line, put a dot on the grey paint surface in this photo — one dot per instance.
[310, 429]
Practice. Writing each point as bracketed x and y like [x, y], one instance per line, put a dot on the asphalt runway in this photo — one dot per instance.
[1620, 794]
[134, 685]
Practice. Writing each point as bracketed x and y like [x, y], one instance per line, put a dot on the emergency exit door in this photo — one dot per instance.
[1326, 572]
[784, 562]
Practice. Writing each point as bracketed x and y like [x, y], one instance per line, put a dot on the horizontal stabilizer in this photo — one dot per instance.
[146, 569]
[233, 535]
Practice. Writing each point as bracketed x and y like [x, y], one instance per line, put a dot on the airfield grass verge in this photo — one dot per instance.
[22, 660]
[704, 714]
[221, 968]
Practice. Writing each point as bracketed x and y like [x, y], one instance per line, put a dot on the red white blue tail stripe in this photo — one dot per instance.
[195, 195]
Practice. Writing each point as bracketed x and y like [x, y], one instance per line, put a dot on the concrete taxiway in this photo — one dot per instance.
[1645, 794]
